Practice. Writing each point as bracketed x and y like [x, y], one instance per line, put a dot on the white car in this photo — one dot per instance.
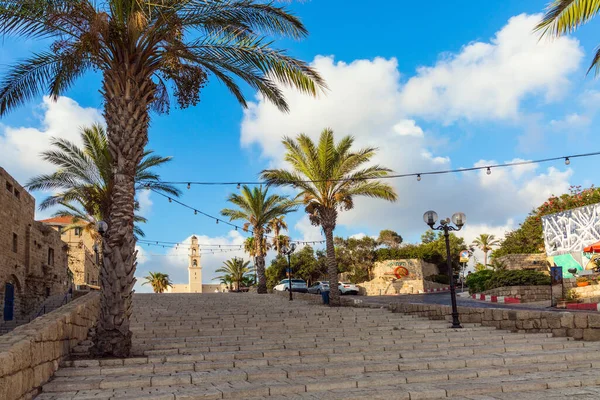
[348, 288]
[298, 285]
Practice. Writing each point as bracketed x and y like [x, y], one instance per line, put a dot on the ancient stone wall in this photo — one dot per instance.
[31, 353]
[526, 294]
[537, 262]
[385, 281]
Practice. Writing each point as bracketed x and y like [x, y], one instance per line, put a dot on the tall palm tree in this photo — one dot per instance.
[250, 247]
[328, 177]
[276, 225]
[142, 48]
[159, 281]
[485, 242]
[257, 208]
[237, 269]
[565, 16]
[83, 179]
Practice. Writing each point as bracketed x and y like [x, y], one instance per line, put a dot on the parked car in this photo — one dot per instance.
[318, 287]
[348, 288]
[298, 285]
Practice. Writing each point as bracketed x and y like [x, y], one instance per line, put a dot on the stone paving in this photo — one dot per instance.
[247, 346]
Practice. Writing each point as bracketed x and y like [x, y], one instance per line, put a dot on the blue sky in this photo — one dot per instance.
[447, 84]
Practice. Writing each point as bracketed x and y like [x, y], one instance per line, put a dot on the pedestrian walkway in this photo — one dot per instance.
[249, 346]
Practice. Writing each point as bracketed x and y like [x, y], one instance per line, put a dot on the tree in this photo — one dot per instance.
[159, 281]
[329, 176]
[250, 247]
[141, 48]
[236, 269]
[565, 16]
[390, 239]
[257, 208]
[83, 179]
[428, 237]
[485, 242]
[276, 225]
[356, 256]
[305, 265]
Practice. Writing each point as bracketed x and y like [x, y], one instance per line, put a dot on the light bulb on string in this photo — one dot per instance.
[217, 222]
[170, 200]
[419, 177]
[238, 186]
[195, 212]
[567, 161]
[489, 171]
[189, 186]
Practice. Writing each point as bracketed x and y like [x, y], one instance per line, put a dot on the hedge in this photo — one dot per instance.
[488, 279]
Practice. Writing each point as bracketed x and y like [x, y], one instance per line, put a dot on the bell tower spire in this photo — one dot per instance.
[194, 267]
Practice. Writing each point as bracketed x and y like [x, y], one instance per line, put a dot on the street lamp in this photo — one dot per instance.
[102, 228]
[288, 250]
[459, 219]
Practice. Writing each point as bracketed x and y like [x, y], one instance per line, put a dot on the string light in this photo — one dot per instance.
[195, 212]
[419, 177]
[489, 171]
[567, 161]
[189, 186]
[170, 200]
[394, 176]
[239, 186]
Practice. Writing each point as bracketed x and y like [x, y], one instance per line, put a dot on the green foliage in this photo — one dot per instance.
[582, 279]
[159, 281]
[488, 279]
[235, 270]
[389, 239]
[479, 267]
[306, 264]
[356, 256]
[571, 295]
[528, 238]
[443, 279]
[432, 250]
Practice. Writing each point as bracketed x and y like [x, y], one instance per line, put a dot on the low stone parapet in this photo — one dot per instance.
[31, 353]
[525, 294]
[578, 325]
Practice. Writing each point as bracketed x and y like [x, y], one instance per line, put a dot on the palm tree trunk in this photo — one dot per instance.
[127, 95]
[259, 263]
[329, 220]
[485, 258]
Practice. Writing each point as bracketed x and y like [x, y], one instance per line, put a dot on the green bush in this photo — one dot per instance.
[488, 279]
[443, 279]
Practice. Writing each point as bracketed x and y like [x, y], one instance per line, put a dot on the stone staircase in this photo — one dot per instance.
[50, 304]
[247, 346]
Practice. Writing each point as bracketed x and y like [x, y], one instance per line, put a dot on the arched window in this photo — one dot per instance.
[195, 263]
[194, 252]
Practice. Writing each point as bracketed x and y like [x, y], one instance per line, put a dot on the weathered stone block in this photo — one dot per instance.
[591, 334]
[580, 320]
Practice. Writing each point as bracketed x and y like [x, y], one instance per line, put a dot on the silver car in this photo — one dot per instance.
[318, 287]
[298, 285]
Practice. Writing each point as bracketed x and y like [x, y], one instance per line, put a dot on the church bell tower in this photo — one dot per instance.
[194, 267]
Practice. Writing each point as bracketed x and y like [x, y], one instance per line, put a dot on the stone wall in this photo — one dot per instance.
[588, 293]
[31, 353]
[537, 262]
[33, 259]
[378, 287]
[385, 282]
[526, 294]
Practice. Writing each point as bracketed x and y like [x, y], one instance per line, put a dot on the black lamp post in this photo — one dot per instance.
[288, 250]
[430, 218]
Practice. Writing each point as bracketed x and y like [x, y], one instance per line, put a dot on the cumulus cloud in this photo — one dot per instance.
[489, 80]
[143, 198]
[175, 261]
[20, 146]
[367, 100]
[308, 232]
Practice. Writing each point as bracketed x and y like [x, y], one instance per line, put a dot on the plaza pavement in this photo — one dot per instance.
[247, 346]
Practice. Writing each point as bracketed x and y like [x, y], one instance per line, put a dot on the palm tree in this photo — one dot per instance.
[485, 242]
[141, 49]
[237, 269]
[257, 208]
[250, 247]
[564, 16]
[159, 281]
[83, 180]
[328, 178]
[276, 225]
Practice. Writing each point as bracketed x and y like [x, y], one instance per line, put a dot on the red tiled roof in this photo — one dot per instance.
[58, 221]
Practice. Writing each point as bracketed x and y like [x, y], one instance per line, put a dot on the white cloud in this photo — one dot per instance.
[363, 101]
[20, 146]
[143, 198]
[175, 261]
[489, 80]
[471, 231]
[309, 232]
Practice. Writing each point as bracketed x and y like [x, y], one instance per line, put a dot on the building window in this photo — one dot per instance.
[195, 263]
[17, 194]
[50, 256]
[15, 242]
[9, 187]
[77, 231]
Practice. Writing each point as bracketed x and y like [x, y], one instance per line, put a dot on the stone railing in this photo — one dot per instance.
[577, 325]
[31, 353]
[526, 294]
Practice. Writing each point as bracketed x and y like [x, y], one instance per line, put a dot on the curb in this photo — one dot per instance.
[584, 306]
[435, 290]
[496, 299]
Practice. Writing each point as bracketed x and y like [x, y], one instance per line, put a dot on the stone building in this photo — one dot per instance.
[538, 262]
[194, 284]
[83, 253]
[33, 258]
[400, 277]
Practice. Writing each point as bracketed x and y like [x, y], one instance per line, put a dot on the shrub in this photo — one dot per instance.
[582, 279]
[487, 279]
[571, 295]
[443, 279]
